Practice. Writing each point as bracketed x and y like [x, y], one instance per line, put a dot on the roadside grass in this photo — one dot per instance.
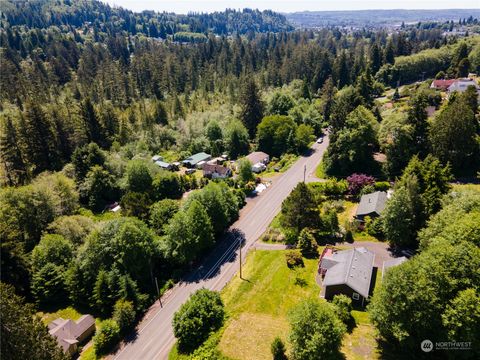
[88, 354]
[258, 305]
[283, 164]
[320, 171]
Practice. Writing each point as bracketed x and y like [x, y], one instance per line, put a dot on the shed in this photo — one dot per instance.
[164, 165]
[258, 167]
[371, 205]
[156, 158]
[193, 160]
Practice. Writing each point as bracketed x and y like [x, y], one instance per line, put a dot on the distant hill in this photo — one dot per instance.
[77, 13]
[376, 18]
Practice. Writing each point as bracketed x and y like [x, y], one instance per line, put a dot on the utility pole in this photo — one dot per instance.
[304, 172]
[240, 253]
[158, 292]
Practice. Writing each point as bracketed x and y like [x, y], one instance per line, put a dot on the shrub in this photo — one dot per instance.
[307, 244]
[343, 307]
[375, 228]
[348, 236]
[330, 188]
[294, 258]
[278, 349]
[356, 182]
[107, 337]
[382, 186]
[200, 315]
[124, 314]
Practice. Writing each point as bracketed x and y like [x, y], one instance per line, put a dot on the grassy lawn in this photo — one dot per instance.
[361, 342]
[459, 187]
[347, 215]
[258, 306]
[67, 313]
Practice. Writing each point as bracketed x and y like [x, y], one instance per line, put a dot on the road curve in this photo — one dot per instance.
[154, 337]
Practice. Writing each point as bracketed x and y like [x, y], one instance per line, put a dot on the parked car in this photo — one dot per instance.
[190, 171]
[320, 140]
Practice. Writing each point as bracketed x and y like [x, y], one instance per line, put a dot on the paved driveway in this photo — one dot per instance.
[380, 249]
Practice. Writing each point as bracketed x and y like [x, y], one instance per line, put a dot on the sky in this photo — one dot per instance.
[185, 6]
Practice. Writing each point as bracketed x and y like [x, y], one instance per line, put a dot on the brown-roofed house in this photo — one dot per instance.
[69, 333]
[442, 84]
[258, 157]
[216, 171]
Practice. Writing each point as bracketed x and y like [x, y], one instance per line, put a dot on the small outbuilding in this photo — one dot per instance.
[156, 158]
[193, 160]
[348, 272]
[258, 167]
[70, 333]
[164, 165]
[371, 205]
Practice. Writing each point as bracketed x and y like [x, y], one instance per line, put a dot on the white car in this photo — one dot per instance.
[320, 140]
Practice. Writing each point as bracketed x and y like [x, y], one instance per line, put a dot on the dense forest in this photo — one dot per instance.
[89, 93]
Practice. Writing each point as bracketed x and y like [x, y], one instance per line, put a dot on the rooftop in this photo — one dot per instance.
[352, 267]
[257, 156]
[194, 159]
[372, 203]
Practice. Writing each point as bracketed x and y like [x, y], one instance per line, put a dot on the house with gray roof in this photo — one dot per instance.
[193, 160]
[70, 333]
[371, 205]
[461, 85]
[349, 272]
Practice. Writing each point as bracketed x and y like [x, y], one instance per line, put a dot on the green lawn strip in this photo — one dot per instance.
[320, 171]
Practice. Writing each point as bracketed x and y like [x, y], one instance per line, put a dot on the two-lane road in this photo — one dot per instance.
[155, 334]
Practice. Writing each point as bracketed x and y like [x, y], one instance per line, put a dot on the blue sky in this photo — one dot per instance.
[184, 6]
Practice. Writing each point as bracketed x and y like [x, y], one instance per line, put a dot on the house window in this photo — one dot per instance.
[355, 296]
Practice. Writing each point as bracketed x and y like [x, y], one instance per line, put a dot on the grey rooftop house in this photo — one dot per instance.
[349, 272]
[193, 160]
[371, 205]
[69, 333]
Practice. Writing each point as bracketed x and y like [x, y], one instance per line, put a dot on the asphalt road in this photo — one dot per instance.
[154, 337]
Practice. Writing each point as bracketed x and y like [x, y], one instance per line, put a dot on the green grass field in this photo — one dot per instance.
[258, 305]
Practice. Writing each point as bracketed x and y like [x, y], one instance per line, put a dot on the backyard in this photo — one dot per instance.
[258, 308]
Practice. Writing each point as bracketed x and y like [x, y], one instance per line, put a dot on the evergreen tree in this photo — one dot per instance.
[417, 117]
[251, 106]
[11, 156]
[299, 209]
[453, 137]
[93, 128]
[389, 52]
[39, 139]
